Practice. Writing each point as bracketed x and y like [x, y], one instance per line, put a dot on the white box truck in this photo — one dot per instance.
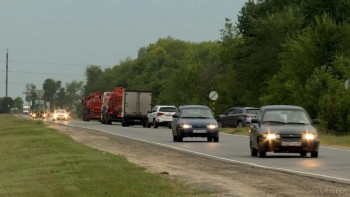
[136, 105]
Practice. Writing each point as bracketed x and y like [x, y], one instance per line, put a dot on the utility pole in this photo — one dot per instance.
[7, 70]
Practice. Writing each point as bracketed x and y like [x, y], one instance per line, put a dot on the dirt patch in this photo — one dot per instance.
[223, 179]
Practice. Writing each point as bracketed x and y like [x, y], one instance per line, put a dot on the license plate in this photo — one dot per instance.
[291, 143]
[199, 131]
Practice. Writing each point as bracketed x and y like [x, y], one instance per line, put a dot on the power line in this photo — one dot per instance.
[35, 73]
[53, 63]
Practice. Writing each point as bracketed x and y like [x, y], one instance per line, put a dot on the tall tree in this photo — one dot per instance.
[51, 87]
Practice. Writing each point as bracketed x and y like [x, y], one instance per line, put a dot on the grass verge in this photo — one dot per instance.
[326, 139]
[38, 161]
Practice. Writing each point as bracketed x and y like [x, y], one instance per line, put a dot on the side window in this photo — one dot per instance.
[230, 112]
[258, 116]
[237, 111]
[154, 109]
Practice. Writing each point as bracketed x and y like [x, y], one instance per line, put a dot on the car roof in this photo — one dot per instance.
[193, 106]
[165, 106]
[281, 107]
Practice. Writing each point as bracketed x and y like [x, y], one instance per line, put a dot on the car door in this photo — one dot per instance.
[175, 123]
[225, 119]
[152, 114]
[236, 116]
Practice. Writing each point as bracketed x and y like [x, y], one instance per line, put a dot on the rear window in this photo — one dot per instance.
[168, 109]
[252, 111]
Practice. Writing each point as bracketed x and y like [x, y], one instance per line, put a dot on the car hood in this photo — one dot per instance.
[288, 129]
[197, 121]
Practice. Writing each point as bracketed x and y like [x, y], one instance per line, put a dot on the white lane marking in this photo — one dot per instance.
[225, 159]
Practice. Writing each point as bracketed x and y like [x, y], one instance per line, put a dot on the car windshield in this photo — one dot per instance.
[196, 113]
[286, 117]
[167, 109]
[252, 111]
[61, 111]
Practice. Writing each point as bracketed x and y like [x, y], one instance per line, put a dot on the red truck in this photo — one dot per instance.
[126, 106]
[112, 106]
[92, 106]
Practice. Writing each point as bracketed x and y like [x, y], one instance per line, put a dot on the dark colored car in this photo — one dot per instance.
[237, 116]
[283, 128]
[194, 121]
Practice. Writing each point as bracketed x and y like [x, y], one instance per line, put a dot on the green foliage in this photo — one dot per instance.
[6, 103]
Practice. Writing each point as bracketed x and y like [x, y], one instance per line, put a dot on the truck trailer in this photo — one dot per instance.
[92, 106]
[135, 107]
[112, 106]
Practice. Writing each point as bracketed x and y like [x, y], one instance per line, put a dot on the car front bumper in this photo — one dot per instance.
[281, 146]
[199, 132]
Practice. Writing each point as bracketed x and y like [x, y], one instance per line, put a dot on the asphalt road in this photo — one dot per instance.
[332, 163]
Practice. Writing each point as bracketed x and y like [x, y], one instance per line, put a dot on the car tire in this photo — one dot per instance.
[262, 154]
[148, 124]
[303, 154]
[215, 139]
[253, 151]
[155, 124]
[209, 139]
[314, 154]
[240, 124]
[179, 138]
[174, 138]
[169, 125]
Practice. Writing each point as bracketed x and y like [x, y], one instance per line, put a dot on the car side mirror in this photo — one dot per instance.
[175, 116]
[315, 121]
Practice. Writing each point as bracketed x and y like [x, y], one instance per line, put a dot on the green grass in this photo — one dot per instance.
[326, 139]
[38, 161]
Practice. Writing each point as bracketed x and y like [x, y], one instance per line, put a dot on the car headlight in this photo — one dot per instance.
[186, 126]
[212, 126]
[309, 136]
[66, 115]
[55, 115]
[44, 115]
[272, 136]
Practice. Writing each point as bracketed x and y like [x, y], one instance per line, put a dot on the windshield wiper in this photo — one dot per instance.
[296, 123]
[272, 121]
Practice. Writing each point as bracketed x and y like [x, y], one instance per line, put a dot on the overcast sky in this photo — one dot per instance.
[58, 38]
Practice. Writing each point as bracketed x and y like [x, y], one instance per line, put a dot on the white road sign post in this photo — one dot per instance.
[213, 95]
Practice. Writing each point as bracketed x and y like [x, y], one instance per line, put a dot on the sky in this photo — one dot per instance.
[58, 39]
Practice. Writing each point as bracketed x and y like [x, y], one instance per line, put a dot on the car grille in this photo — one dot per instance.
[199, 126]
[290, 137]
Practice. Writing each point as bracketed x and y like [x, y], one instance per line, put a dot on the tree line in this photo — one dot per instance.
[293, 52]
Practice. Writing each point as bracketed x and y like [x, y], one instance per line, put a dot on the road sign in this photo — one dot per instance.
[213, 95]
[40, 93]
[347, 84]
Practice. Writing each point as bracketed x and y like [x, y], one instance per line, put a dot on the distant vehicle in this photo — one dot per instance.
[194, 121]
[283, 128]
[38, 109]
[135, 106]
[112, 106]
[60, 114]
[26, 109]
[92, 106]
[237, 116]
[160, 115]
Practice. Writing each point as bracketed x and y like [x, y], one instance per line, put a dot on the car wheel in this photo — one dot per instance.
[155, 124]
[314, 154]
[239, 124]
[148, 124]
[179, 138]
[253, 151]
[302, 154]
[169, 125]
[262, 154]
[216, 139]
[209, 139]
[174, 138]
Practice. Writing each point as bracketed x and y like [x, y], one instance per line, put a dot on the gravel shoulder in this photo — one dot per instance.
[222, 178]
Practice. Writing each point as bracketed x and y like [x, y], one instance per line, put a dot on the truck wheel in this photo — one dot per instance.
[155, 124]
[109, 122]
[174, 138]
[215, 139]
